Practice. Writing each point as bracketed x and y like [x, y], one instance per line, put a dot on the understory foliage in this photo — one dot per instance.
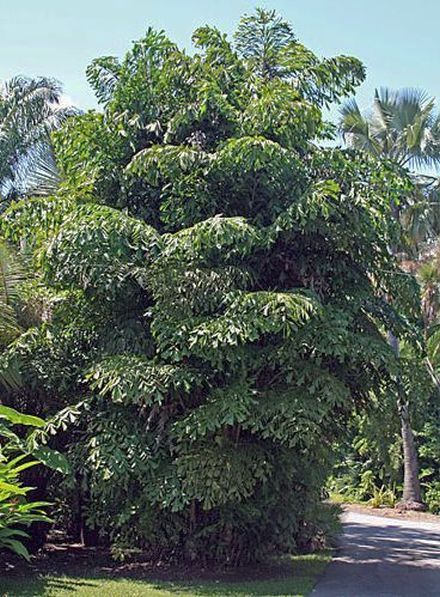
[369, 464]
[17, 455]
[210, 302]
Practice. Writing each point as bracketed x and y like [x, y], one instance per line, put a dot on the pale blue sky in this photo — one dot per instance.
[398, 40]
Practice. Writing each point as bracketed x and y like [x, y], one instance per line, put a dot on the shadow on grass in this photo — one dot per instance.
[293, 576]
[31, 587]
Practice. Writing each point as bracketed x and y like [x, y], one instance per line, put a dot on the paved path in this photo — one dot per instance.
[384, 557]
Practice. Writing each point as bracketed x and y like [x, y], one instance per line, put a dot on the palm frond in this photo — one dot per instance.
[42, 176]
[355, 128]
[12, 275]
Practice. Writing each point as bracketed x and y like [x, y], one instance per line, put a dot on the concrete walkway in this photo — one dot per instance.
[384, 557]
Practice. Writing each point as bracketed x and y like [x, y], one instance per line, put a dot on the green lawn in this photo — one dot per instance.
[297, 580]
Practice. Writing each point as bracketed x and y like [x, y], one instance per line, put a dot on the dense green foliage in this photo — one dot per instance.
[370, 463]
[210, 303]
[16, 511]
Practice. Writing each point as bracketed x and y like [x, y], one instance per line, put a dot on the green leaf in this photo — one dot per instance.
[11, 488]
[52, 459]
[13, 416]
[17, 547]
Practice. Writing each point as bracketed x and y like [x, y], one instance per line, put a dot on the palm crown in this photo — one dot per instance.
[402, 125]
[30, 110]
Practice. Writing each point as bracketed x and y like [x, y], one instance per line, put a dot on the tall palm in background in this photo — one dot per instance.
[30, 109]
[404, 127]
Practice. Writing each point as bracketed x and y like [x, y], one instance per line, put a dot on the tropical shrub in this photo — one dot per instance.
[432, 497]
[16, 511]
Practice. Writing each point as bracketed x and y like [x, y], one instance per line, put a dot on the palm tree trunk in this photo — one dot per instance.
[412, 498]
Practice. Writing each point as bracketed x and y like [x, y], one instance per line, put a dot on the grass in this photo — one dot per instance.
[341, 498]
[297, 580]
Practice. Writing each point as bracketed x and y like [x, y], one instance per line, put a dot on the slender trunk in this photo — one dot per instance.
[411, 499]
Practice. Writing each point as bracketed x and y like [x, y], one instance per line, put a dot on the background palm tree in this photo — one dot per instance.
[30, 109]
[404, 127]
[429, 278]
